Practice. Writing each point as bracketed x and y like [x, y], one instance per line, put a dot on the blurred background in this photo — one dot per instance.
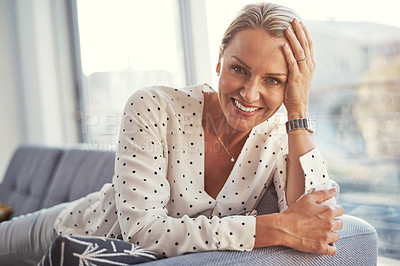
[67, 67]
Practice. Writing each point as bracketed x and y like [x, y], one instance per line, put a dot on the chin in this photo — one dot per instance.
[244, 124]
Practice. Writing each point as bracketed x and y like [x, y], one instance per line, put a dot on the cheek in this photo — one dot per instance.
[225, 89]
[228, 83]
[274, 98]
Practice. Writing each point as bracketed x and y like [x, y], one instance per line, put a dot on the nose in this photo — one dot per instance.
[250, 92]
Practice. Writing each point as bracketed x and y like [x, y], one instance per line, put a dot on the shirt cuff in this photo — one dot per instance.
[315, 176]
[237, 233]
[315, 173]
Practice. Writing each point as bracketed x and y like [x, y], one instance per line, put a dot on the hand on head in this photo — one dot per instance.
[300, 59]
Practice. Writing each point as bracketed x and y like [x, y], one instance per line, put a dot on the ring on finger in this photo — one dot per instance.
[302, 60]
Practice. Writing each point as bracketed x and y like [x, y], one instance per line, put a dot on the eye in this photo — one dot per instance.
[272, 81]
[239, 70]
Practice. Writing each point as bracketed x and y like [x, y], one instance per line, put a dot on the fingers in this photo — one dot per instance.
[298, 40]
[330, 225]
[289, 55]
[323, 195]
[328, 247]
[338, 224]
[298, 52]
[321, 247]
[290, 59]
[331, 250]
[324, 244]
[310, 43]
[333, 237]
[301, 44]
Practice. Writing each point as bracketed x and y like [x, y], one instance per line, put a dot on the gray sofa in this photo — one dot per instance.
[40, 177]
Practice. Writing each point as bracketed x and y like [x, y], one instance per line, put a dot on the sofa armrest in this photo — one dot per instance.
[357, 246]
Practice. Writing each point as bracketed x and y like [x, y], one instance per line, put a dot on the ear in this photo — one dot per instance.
[218, 68]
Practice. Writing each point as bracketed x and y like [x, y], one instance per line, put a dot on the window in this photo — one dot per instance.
[355, 101]
[125, 46]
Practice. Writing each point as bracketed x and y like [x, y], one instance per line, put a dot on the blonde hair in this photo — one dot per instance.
[272, 18]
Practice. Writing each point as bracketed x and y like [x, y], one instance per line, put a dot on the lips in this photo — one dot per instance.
[243, 108]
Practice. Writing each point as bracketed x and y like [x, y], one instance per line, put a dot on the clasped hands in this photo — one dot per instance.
[307, 225]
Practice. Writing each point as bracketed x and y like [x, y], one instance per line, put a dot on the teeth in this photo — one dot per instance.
[245, 109]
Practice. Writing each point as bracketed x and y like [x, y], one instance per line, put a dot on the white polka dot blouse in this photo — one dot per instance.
[157, 197]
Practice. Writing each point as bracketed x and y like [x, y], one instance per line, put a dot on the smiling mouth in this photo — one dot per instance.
[243, 108]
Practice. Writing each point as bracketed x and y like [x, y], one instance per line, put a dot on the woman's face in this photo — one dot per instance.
[253, 74]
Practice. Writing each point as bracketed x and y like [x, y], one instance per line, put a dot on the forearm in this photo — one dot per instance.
[300, 141]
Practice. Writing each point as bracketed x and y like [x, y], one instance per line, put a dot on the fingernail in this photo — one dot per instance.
[289, 29]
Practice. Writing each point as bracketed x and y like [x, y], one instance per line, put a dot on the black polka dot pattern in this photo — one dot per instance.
[316, 177]
[157, 198]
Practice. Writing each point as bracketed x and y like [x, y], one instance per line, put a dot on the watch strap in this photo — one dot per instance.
[299, 123]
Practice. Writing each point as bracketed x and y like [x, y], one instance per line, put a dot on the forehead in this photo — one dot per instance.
[257, 48]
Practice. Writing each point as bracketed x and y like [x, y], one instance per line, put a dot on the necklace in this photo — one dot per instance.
[220, 141]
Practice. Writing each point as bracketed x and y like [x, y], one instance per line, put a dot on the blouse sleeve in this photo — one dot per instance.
[142, 190]
[315, 173]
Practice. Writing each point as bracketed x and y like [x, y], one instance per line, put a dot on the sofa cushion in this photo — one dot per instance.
[40, 177]
[268, 202]
[27, 178]
[67, 250]
[79, 173]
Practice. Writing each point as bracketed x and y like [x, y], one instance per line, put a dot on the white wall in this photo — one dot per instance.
[11, 128]
[37, 83]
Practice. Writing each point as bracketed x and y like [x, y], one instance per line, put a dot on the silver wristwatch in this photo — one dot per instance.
[300, 123]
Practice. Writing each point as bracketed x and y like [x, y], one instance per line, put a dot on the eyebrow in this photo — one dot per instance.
[267, 74]
[243, 63]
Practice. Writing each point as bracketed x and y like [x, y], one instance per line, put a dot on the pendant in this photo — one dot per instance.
[232, 159]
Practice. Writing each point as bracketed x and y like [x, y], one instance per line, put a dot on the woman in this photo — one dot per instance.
[190, 160]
